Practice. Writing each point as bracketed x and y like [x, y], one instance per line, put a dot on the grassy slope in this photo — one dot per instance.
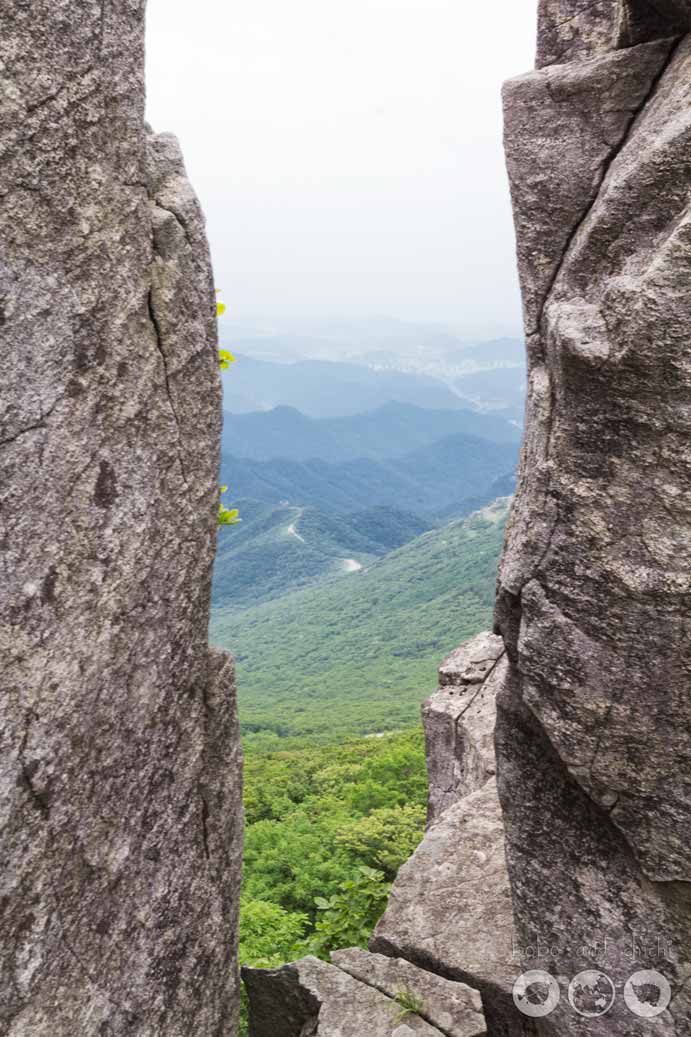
[357, 654]
[260, 559]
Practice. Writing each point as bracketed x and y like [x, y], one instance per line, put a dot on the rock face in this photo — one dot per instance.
[450, 911]
[459, 722]
[357, 996]
[456, 1009]
[120, 765]
[594, 589]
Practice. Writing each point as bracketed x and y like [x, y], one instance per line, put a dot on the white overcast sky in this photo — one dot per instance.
[348, 152]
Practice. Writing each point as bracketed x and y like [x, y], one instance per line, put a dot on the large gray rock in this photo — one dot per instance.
[310, 998]
[594, 585]
[573, 30]
[580, 900]
[602, 640]
[120, 766]
[459, 722]
[450, 909]
[454, 1008]
[567, 122]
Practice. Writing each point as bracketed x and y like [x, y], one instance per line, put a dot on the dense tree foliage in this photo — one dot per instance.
[327, 830]
[357, 654]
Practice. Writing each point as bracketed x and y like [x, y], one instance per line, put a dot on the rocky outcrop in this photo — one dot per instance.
[450, 910]
[459, 722]
[120, 764]
[359, 994]
[594, 725]
[447, 934]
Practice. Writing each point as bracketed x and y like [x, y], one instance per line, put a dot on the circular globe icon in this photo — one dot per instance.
[647, 993]
[536, 993]
[591, 993]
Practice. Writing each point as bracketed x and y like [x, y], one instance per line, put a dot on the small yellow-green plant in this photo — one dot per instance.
[225, 359]
[226, 516]
[409, 1004]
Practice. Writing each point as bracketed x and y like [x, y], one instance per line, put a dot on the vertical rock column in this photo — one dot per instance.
[120, 810]
[594, 593]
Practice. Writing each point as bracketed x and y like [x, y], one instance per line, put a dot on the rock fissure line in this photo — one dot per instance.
[158, 338]
[605, 166]
[381, 990]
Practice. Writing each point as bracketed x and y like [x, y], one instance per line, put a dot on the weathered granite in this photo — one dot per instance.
[574, 30]
[459, 722]
[570, 29]
[594, 585]
[450, 909]
[566, 122]
[454, 1008]
[310, 998]
[600, 630]
[579, 897]
[120, 811]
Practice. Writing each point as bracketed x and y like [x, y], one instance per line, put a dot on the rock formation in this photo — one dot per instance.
[120, 764]
[450, 911]
[594, 726]
[359, 994]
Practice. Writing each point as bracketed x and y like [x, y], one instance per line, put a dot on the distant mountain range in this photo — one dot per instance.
[500, 390]
[323, 389]
[438, 476]
[392, 430]
[353, 463]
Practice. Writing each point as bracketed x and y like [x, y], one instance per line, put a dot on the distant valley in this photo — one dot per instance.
[357, 654]
[352, 368]
[356, 565]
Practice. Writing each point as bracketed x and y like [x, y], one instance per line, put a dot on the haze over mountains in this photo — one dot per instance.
[343, 469]
[348, 367]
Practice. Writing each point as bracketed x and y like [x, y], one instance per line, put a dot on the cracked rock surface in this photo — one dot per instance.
[459, 722]
[594, 589]
[357, 996]
[120, 815]
[450, 909]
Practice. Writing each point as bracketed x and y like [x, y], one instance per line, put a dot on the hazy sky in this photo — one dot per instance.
[348, 154]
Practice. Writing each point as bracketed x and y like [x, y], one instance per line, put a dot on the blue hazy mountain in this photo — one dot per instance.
[323, 389]
[440, 475]
[390, 431]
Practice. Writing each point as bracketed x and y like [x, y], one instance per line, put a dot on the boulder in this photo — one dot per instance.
[120, 824]
[310, 998]
[450, 910]
[594, 719]
[454, 1008]
[459, 722]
